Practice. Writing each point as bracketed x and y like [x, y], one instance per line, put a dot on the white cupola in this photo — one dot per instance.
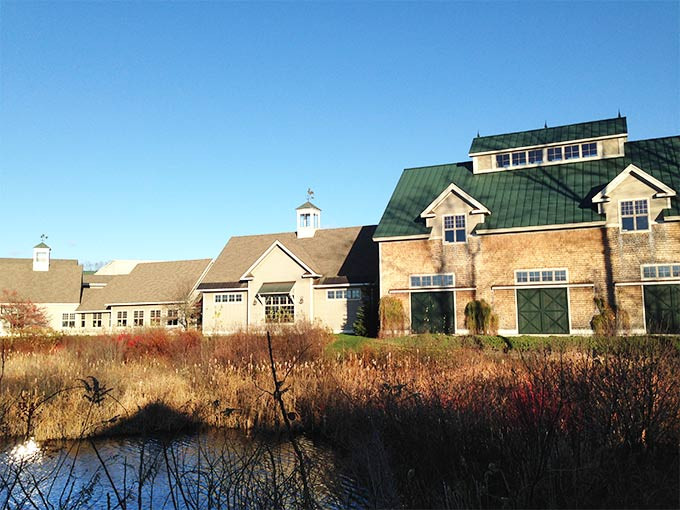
[41, 257]
[308, 220]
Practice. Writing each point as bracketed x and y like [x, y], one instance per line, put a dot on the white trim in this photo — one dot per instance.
[454, 229]
[644, 310]
[478, 207]
[546, 145]
[647, 282]
[535, 228]
[534, 285]
[659, 278]
[225, 289]
[650, 222]
[330, 285]
[671, 218]
[430, 289]
[663, 190]
[379, 270]
[146, 303]
[420, 275]
[278, 244]
[401, 238]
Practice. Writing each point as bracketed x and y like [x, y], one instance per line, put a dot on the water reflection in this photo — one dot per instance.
[215, 469]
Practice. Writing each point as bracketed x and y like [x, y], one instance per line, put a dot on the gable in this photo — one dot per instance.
[278, 260]
[634, 180]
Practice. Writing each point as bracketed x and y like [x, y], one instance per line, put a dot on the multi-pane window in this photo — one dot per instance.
[571, 152]
[519, 158]
[228, 298]
[82, 320]
[432, 280]
[454, 228]
[350, 294]
[541, 276]
[121, 319]
[588, 150]
[68, 320]
[138, 317]
[502, 160]
[96, 320]
[661, 271]
[155, 317]
[634, 215]
[173, 317]
[279, 308]
[554, 153]
[306, 220]
[536, 157]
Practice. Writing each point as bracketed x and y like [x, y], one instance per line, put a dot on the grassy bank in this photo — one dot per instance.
[422, 421]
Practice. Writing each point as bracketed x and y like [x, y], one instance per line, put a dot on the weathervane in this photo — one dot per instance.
[310, 194]
[43, 237]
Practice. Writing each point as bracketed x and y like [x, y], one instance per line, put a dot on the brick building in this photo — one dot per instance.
[538, 224]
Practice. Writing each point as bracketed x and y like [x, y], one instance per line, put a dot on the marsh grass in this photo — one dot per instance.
[420, 422]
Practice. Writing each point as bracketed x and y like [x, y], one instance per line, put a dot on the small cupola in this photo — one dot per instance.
[308, 220]
[41, 255]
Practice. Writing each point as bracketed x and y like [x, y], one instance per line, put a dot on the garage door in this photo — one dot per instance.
[543, 311]
[432, 312]
[662, 308]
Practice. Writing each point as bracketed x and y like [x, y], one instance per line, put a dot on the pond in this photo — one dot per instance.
[210, 469]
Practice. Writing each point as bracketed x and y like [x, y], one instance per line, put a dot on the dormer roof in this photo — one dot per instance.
[477, 206]
[550, 135]
[662, 190]
[307, 205]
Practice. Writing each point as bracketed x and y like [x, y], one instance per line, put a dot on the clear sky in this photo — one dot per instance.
[158, 130]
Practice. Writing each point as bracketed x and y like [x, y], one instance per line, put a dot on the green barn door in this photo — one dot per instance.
[662, 308]
[432, 312]
[543, 311]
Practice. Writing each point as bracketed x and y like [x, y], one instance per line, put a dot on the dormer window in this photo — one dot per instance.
[588, 150]
[519, 158]
[536, 157]
[554, 153]
[454, 228]
[503, 160]
[571, 152]
[634, 215]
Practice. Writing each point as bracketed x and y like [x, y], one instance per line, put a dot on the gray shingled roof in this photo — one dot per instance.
[149, 282]
[61, 284]
[339, 252]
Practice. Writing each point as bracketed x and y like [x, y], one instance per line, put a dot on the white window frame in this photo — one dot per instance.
[455, 228]
[547, 153]
[272, 311]
[535, 162]
[518, 154]
[230, 298]
[674, 275]
[68, 320]
[541, 271]
[571, 147]
[431, 275]
[121, 319]
[351, 294]
[503, 155]
[634, 216]
[97, 320]
[155, 317]
[138, 318]
[597, 149]
[172, 317]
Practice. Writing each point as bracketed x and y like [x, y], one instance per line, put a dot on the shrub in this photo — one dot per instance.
[609, 322]
[392, 317]
[480, 319]
[20, 315]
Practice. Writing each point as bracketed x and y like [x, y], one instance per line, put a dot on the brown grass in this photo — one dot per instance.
[473, 428]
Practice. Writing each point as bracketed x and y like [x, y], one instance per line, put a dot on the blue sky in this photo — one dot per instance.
[158, 130]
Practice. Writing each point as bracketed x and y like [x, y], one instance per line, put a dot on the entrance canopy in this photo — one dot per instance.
[275, 288]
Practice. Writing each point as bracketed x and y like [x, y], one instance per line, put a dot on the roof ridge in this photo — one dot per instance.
[653, 139]
[293, 232]
[551, 127]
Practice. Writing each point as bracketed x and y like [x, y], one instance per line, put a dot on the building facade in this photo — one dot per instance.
[538, 224]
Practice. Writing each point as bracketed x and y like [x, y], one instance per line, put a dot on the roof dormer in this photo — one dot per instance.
[549, 146]
[308, 220]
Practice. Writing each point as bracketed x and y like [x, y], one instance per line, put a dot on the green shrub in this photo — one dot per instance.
[480, 319]
[609, 322]
[392, 316]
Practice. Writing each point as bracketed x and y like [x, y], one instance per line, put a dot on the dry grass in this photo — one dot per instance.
[473, 428]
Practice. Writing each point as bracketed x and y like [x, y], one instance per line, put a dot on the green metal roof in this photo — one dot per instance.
[307, 205]
[536, 196]
[276, 288]
[595, 129]
[42, 245]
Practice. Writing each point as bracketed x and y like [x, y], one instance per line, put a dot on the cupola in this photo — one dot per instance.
[308, 220]
[41, 256]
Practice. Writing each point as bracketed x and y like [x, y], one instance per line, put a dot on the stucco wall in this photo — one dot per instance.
[337, 314]
[220, 318]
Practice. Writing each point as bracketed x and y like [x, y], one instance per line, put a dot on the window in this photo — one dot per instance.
[541, 276]
[305, 220]
[279, 308]
[454, 228]
[121, 319]
[173, 318]
[350, 294]
[571, 152]
[661, 271]
[96, 320]
[554, 153]
[155, 317]
[228, 298]
[519, 158]
[68, 320]
[432, 280]
[138, 317]
[502, 160]
[82, 320]
[634, 215]
[536, 157]
[588, 150]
